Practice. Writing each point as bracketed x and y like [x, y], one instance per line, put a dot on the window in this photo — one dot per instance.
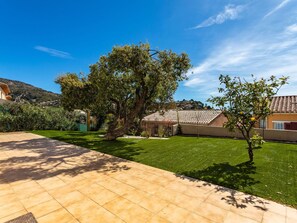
[262, 123]
[279, 125]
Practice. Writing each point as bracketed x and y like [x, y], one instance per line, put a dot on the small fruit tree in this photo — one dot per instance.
[244, 103]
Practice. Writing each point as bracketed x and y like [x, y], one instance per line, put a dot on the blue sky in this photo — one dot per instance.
[41, 39]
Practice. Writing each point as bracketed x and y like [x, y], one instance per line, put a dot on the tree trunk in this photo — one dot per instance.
[250, 151]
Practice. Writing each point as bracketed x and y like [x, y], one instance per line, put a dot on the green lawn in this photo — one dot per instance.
[218, 160]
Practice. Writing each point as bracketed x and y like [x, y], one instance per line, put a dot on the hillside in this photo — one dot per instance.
[23, 91]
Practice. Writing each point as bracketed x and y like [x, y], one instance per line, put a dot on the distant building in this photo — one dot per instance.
[284, 114]
[170, 118]
[4, 92]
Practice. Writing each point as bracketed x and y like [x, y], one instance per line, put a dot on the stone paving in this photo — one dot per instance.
[59, 182]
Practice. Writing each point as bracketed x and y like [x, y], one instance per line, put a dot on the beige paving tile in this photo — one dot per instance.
[11, 208]
[128, 211]
[212, 212]
[270, 217]
[153, 204]
[92, 189]
[249, 211]
[51, 183]
[83, 207]
[157, 219]
[36, 199]
[192, 218]
[275, 207]
[290, 220]
[101, 197]
[68, 179]
[174, 213]
[197, 192]
[28, 192]
[27, 184]
[13, 216]
[235, 218]
[116, 186]
[70, 198]
[61, 216]
[177, 186]
[189, 203]
[118, 205]
[60, 191]
[87, 211]
[221, 201]
[6, 199]
[292, 213]
[5, 191]
[136, 195]
[44, 208]
[135, 214]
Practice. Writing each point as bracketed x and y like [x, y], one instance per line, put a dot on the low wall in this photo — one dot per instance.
[267, 134]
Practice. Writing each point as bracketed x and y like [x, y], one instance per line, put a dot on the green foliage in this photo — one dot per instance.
[161, 131]
[125, 83]
[244, 103]
[145, 134]
[21, 117]
[257, 141]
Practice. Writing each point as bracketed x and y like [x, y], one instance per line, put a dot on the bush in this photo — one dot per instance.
[161, 131]
[145, 134]
[21, 117]
[257, 141]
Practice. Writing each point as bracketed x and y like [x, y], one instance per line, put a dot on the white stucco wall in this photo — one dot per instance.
[2, 94]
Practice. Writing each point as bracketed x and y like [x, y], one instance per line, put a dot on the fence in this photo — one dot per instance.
[267, 134]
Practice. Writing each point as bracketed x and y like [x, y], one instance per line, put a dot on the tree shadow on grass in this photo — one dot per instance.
[41, 158]
[121, 148]
[228, 179]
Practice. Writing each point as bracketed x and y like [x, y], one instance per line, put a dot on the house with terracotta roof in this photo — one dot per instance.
[4, 92]
[284, 114]
[169, 119]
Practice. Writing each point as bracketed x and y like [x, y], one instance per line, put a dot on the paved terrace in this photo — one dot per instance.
[63, 183]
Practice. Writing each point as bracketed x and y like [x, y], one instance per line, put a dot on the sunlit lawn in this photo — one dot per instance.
[218, 160]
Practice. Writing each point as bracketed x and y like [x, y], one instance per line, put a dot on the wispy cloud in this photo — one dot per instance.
[231, 12]
[292, 29]
[278, 7]
[54, 52]
[249, 54]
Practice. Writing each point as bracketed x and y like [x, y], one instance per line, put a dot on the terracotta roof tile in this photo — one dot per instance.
[284, 104]
[202, 117]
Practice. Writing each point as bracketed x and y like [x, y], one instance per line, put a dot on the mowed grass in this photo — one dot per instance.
[220, 161]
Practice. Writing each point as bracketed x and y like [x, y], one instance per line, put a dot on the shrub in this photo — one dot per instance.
[161, 131]
[144, 134]
[257, 141]
[20, 117]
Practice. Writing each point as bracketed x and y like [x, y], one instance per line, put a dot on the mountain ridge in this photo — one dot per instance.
[21, 91]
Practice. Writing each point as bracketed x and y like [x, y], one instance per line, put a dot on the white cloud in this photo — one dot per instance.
[250, 53]
[231, 12]
[278, 7]
[194, 82]
[292, 29]
[54, 52]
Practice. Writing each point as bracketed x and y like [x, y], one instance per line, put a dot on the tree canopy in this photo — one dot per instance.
[125, 83]
[244, 103]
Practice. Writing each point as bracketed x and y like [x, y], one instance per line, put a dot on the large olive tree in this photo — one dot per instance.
[125, 83]
[245, 103]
